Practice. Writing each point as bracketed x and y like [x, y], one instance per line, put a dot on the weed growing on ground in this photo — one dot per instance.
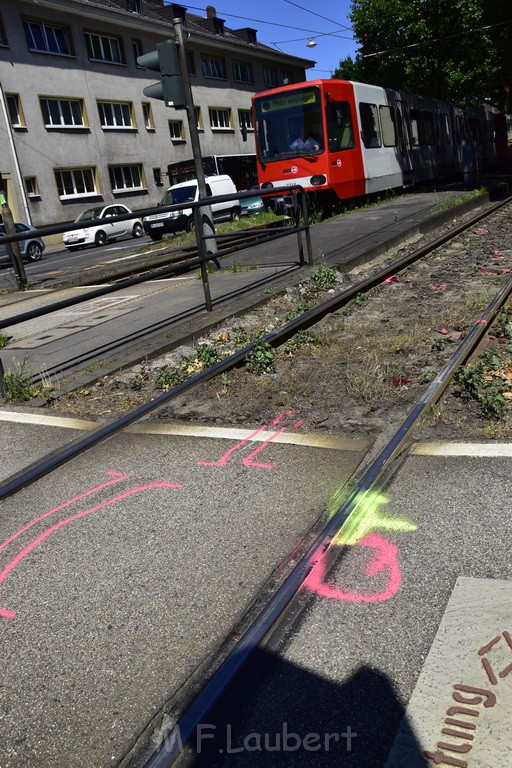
[301, 338]
[324, 277]
[4, 339]
[18, 382]
[261, 359]
[487, 381]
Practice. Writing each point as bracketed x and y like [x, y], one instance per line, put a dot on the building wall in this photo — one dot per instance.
[34, 150]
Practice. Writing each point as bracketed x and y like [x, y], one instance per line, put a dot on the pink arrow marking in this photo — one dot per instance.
[225, 457]
[118, 475]
[386, 558]
[247, 462]
[37, 541]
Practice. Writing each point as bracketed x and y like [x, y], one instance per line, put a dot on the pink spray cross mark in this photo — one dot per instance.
[248, 460]
[4, 612]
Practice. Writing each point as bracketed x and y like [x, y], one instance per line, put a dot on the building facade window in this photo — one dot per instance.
[137, 49]
[75, 182]
[148, 116]
[62, 113]
[3, 36]
[191, 62]
[116, 114]
[157, 177]
[270, 77]
[32, 186]
[176, 130]
[103, 48]
[124, 178]
[199, 119]
[213, 67]
[242, 72]
[245, 119]
[220, 117]
[46, 38]
[15, 110]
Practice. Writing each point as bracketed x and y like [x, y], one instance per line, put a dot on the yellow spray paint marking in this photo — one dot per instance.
[367, 517]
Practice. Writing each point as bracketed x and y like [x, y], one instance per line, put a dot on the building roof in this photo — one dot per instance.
[211, 26]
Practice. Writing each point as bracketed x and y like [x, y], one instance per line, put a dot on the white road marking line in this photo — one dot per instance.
[330, 442]
[478, 450]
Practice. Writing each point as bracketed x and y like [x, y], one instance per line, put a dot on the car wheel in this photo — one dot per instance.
[137, 230]
[34, 252]
[235, 214]
[101, 238]
[156, 236]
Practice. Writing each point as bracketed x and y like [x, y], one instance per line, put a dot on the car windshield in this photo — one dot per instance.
[90, 213]
[179, 195]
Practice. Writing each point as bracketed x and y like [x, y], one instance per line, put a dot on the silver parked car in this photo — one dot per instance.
[100, 234]
[31, 249]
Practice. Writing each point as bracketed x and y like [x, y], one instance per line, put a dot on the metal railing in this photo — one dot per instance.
[297, 223]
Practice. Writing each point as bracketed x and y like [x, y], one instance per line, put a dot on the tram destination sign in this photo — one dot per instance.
[301, 98]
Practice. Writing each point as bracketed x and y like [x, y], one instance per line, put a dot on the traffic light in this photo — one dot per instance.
[166, 61]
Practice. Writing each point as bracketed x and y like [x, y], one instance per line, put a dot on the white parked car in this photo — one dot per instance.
[108, 231]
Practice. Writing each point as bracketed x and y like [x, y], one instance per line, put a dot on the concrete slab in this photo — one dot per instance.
[460, 711]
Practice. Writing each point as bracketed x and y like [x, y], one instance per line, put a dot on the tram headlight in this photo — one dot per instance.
[317, 181]
[267, 185]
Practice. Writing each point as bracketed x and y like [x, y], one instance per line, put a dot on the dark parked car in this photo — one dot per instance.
[251, 205]
[31, 249]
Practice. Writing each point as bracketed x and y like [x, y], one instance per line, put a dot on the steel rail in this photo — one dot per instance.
[57, 458]
[272, 612]
[148, 274]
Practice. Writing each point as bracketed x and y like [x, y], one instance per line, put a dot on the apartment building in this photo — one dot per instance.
[75, 126]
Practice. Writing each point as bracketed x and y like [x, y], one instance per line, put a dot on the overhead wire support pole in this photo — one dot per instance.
[205, 234]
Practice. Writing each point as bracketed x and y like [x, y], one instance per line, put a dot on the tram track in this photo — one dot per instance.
[237, 652]
[275, 338]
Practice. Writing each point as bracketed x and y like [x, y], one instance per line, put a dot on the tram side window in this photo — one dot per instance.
[428, 128]
[339, 126]
[387, 119]
[369, 125]
[415, 117]
[446, 129]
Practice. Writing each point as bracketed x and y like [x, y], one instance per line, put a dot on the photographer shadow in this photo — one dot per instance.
[279, 714]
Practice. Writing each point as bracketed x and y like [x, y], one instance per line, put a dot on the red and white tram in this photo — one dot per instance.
[365, 138]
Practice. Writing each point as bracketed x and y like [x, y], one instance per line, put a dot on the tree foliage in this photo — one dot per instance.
[459, 51]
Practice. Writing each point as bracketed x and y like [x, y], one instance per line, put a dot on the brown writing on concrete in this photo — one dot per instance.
[463, 694]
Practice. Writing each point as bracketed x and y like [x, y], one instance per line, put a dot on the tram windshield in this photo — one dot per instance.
[289, 124]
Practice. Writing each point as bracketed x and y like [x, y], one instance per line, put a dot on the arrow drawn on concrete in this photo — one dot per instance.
[4, 612]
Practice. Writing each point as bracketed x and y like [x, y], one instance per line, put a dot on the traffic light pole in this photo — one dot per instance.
[206, 234]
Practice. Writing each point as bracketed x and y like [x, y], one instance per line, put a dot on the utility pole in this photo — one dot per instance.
[207, 230]
[10, 229]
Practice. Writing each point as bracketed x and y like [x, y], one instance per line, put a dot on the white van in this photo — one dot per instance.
[159, 224]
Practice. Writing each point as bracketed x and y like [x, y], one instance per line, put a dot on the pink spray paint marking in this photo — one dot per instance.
[37, 541]
[392, 279]
[247, 461]
[386, 558]
[118, 477]
[440, 287]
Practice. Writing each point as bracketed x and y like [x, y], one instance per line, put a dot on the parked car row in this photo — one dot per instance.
[156, 226]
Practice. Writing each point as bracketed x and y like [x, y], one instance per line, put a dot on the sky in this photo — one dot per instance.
[288, 25]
